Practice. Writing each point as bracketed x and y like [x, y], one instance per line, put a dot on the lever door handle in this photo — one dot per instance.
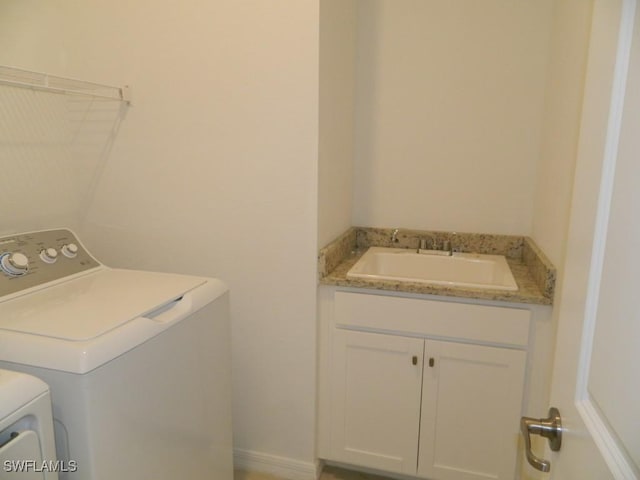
[549, 428]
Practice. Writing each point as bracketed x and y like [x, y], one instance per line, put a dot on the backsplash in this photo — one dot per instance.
[507, 245]
[540, 267]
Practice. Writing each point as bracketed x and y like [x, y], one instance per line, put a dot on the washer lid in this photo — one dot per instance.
[89, 306]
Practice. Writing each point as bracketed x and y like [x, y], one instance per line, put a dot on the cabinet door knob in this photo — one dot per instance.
[432, 361]
[414, 360]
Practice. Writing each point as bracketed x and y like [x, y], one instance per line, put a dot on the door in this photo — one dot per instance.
[468, 391]
[596, 383]
[375, 406]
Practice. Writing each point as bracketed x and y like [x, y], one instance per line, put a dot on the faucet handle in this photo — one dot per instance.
[454, 241]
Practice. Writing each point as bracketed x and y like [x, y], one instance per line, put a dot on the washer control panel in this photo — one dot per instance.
[31, 259]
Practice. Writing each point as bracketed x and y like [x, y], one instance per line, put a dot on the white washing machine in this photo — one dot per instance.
[27, 450]
[138, 363]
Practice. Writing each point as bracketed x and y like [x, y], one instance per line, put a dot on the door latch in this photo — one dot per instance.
[549, 428]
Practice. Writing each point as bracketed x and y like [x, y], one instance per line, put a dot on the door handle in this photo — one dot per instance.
[549, 428]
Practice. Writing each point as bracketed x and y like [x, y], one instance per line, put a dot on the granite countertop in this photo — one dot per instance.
[532, 271]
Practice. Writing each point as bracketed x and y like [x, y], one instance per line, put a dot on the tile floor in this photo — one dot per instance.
[329, 473]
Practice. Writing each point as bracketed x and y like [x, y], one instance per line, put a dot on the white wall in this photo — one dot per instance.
[214, 172]
[337, 121]
[449, 113]
[563, 107]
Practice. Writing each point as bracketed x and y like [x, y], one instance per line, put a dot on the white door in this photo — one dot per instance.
[596, 382]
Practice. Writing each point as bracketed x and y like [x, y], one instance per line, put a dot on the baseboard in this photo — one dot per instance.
[282, 467]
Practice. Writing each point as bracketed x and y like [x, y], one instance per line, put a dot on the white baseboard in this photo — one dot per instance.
[283, 467]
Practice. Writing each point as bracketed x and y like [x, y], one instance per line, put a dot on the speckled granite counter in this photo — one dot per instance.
[533, 272]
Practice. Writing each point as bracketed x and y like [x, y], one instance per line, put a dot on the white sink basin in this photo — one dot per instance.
[457, 270]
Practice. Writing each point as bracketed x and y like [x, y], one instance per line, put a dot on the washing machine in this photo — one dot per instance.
[27, 450]
[138, 363]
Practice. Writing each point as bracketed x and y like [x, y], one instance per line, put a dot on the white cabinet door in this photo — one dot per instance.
[375, 406]
[471, 406]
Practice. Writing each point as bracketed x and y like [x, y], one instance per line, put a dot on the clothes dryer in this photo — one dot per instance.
[27, 450]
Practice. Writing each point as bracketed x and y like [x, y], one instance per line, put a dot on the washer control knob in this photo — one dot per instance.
[70, 250]
[49, 255]
[14, 264]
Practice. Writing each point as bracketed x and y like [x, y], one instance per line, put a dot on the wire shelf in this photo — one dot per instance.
[17, 77]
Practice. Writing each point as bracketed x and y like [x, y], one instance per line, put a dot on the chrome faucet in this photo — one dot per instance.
[429, 244]
[394, 236]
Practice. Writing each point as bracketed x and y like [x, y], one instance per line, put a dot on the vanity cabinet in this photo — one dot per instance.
[425, 388]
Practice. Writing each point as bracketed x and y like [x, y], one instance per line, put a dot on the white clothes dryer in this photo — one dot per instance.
[27, 450]
[138, 363]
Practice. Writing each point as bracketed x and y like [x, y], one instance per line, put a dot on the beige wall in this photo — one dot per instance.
[561, 125]
[337, 121]
[449, 113]
[214, 172]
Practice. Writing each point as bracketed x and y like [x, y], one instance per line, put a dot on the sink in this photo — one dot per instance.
[456, 270]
